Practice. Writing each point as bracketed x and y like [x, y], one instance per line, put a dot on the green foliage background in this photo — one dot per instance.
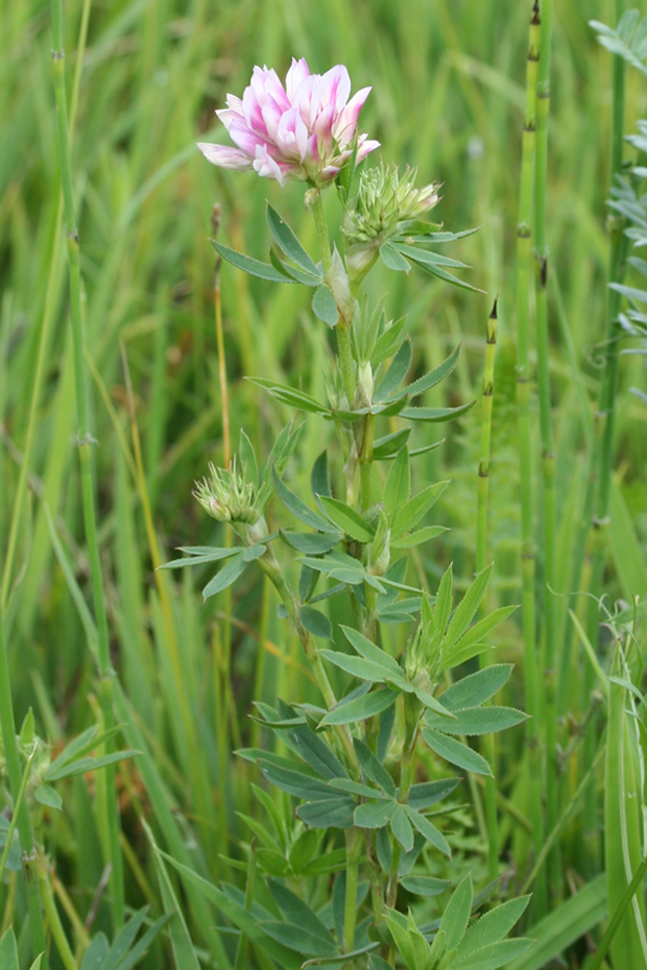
[447, 79]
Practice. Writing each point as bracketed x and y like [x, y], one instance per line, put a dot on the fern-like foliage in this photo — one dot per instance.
[628, 40]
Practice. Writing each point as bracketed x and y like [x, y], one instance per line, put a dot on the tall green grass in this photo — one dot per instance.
[448, 95]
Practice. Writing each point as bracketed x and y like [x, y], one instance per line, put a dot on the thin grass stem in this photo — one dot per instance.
[524, 256]
[602, 458]
[547, 447]
[87, 477]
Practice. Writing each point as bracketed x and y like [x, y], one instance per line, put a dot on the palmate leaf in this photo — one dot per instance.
[80, 766]
[387, 342]
[418, 506]
[457, 913]
[492, 927]
[300, 914]
[396, 490]
[393, 260]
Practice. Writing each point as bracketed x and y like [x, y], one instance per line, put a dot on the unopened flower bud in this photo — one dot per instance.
[228, 496]
[365, 385]
[337, 280]
[386, 199]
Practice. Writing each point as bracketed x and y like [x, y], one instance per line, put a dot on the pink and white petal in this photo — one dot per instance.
[272, 113]
[306, 99]
[365, 147]
[225, 156]
[323, 129]
[253, 111]
[291, 136]
[298, 71]
[244, 138]
[327, 174]
[229, 115]
[234, 103]
[268, 167]
[346, 123]
[335, 87]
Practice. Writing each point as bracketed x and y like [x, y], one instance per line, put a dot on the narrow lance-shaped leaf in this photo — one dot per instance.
[250, 265]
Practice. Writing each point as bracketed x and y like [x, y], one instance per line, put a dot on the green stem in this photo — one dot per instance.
[54, 920]
[322, 232]
[343, 328]
[524, 255]
[84, 444]
[411, 709]
[12, 756]
[481, 556]
[603, 451]
[353, 854]
[548, 454]
[618, 915]
[271, 568]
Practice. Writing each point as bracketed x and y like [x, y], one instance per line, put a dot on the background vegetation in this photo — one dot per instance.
[448, 96]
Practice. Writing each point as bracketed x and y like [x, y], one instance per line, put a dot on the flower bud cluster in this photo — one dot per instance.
[385, 199]
[228, 496]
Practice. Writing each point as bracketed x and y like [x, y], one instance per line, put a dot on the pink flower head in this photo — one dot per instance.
[306, 130]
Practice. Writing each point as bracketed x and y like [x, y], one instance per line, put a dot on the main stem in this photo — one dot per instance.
[84, 445]
[548, 453]
[343, 328]
[481, 555]
[12, 756]
[524, 255]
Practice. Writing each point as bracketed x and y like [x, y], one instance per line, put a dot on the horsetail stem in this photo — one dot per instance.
[481, 555]
[87, 476]
[524, 256]
[548, 453]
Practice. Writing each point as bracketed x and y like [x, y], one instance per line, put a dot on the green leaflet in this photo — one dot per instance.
[476, 688]
[252, 266]
[336, 813]
[374, 815]
[424, 885]
[456, 753]
[428, 793]
[476, 720]
[415, 508]
[299, 509]
[324, 306]
[428, 830]
[347, 519]
[396, 490]
[360, 708]
[401, 828]
[435, 376]
[396, 372]
[289, 244]
[393, 260]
